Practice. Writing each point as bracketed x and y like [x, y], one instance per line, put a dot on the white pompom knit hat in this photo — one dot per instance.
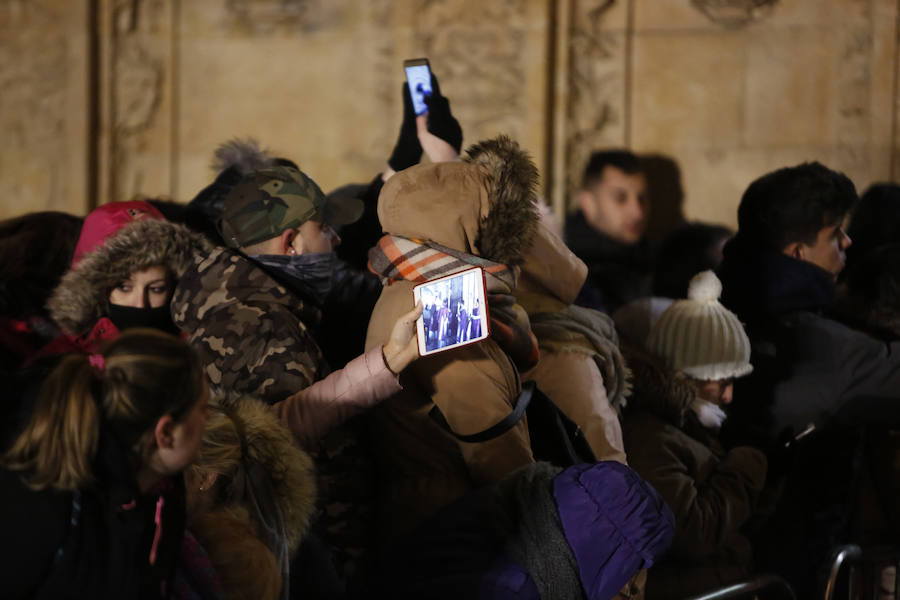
[699, 336]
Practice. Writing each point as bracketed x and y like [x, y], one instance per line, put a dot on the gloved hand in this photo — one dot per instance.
[407, 150]
[511, 329]
[441, 121]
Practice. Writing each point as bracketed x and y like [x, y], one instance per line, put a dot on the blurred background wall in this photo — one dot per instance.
[101, 100]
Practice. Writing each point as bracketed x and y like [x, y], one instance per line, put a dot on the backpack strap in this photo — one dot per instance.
[496, 430]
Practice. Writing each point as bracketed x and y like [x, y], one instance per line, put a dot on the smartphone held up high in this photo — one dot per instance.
[418, 78]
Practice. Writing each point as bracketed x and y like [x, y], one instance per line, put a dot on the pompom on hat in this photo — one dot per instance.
[701, 338]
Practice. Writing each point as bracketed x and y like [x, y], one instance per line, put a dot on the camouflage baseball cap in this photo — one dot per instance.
[266, 202]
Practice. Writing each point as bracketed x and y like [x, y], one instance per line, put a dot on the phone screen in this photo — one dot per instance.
[418, 77]
[454, 311]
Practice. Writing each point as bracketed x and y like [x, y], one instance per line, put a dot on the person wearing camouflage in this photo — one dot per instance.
[252, 312]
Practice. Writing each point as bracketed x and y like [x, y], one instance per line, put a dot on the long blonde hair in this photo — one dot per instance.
[141, 376]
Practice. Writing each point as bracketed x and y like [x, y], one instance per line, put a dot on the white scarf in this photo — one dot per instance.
[709, 414]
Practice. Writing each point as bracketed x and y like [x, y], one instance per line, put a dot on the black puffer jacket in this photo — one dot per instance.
[105, 542]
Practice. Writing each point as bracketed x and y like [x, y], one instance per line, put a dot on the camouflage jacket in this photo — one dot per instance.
[252, 334]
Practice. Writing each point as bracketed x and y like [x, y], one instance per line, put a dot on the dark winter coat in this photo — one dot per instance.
[542, 533]
[617, 273]
[712, 493]
[808, 369]
[812, 375]
[95, 543]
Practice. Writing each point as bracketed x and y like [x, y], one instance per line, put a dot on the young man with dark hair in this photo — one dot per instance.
[778, 275]
[817, 383]
[607, 231]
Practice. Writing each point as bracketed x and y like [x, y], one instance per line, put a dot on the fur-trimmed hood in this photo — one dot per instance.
[658, 390]
[82, 296]
[270, 461]
[484, 205]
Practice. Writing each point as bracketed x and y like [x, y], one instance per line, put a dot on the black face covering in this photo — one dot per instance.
[310, 274]
[127, 317]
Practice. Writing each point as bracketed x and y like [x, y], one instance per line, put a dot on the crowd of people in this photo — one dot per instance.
[225, 398]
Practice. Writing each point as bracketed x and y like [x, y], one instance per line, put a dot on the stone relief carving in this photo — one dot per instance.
[734, 14]
[854, 93]
[480, 55]
[265, 17]
[139, 48]
[596, 103]
[33, 71]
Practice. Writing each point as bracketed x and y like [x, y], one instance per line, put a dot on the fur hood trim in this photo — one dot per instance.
[270, 461]
[484, 205]
[82, 296]
[512, 180]
[659, 390]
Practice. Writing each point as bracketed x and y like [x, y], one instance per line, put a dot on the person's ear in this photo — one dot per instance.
[287, 241]
[208, 480]
[586, 204]
[794, 250]
[163, 433]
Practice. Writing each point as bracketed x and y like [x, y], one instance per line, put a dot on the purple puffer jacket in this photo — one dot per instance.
[542, 533]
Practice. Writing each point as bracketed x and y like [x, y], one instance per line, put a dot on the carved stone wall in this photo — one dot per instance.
[320, 81]
[43, 106]
[136, 138]
[790, 82]
[596, 107]
[105, 99]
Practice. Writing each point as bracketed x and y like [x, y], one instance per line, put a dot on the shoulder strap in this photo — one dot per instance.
[496, 430]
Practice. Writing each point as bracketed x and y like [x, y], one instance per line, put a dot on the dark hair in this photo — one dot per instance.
[144, 374]
[35, 250]
[875, 221]
[623, 160]
[690, 249]
[873, 287]
[793, 204]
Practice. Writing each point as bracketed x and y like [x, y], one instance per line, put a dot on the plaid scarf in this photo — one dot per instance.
[397, 258]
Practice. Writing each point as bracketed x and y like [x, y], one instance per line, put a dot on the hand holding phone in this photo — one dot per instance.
[418, 78]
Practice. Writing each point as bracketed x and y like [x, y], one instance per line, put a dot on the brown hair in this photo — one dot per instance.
[143, 375]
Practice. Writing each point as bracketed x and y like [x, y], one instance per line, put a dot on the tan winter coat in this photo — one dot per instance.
[567, 373]
[484, 209]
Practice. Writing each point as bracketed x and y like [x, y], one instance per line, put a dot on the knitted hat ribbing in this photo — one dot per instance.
[700, 337]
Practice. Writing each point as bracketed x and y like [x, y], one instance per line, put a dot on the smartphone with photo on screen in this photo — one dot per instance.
[454, 311]
[418, 78]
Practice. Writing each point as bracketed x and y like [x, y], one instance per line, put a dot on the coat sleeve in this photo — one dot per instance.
[315, 410]
[838, 372]
[710, 499]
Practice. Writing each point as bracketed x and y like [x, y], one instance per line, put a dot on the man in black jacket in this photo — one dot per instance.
[607, 232]
[817, 383]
